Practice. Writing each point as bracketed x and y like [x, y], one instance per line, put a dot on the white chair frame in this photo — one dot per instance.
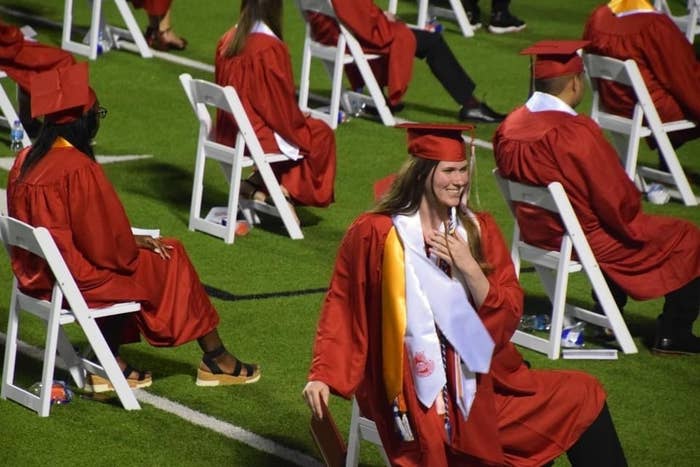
[362, 428]
[456, 12]
[334, 59]
[202, 94]
[686, 23]
[9, 115]
[98, 27]
[39, 241]
[627, 132]
[554, 267]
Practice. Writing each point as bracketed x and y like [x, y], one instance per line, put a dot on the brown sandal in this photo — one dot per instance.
[157, 41]
[96, 383]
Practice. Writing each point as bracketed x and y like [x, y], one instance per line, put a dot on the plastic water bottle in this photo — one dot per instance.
[16, 136]
[433, 25]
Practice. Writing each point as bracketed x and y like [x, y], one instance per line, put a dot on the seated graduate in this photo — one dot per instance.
[416, 325]
[57, 184]
[641, 255]
[381, 32]
[632, 29]
[21, 59]
[253, 59]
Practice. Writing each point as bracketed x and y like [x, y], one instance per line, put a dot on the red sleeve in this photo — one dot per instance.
[274, 96]
[366, 21]
[99, 226]
[672, 60]
[503, 306]
[341, 346]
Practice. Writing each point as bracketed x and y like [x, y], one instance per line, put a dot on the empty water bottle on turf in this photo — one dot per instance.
[16, 136]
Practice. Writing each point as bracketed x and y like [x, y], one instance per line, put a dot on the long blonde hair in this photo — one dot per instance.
[406, 193]
[252, 11]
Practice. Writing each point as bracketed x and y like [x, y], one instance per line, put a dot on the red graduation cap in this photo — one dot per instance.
[555, 58]
[11, 41]
[62, 94]
[437, 141]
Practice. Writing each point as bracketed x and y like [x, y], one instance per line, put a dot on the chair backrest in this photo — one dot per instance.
[38, 240]
[552, 198]
[203, 94]
[317, 6]
[687, 23]
[644, 121]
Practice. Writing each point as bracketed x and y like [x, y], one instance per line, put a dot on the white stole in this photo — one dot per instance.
[432, 297]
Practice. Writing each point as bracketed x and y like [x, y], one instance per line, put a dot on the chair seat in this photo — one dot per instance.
[547, 258]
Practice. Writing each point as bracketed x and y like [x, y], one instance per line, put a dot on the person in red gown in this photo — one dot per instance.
[159, 34]
[625, 29]
[382, 33]
[56, 183]
[416, 325]
[21, 59]
[641, 255]
[254, 60]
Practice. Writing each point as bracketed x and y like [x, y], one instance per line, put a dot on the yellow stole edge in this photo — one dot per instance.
[622, 6]
[393, 314]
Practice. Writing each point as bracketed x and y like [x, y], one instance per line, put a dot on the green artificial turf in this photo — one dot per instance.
[653, 400]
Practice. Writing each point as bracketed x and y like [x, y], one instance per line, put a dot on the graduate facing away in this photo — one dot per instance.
[56, 183]
[417, 323]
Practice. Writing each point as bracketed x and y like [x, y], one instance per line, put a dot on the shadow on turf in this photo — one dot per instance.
[172, 185]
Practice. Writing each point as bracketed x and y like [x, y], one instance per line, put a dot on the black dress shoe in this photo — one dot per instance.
[481, 113]
[689, 345]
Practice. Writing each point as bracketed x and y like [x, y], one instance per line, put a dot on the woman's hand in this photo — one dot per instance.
[154, 244]
[314, 393]
[451, 248]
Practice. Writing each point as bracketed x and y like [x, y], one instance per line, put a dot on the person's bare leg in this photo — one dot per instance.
[162, 25]
[226, 361]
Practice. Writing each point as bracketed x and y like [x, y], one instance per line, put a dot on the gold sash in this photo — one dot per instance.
[393, 314]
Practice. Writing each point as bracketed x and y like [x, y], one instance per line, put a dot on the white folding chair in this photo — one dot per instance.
[455, 12]
[686, 23]
[202, 95]
[627, 132]
[554, 267]
[362, 428]
[16, 234]
[346, 51]
[100, 31]
[9, 115]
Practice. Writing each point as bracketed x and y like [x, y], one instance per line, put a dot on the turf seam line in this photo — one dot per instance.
[196, 418]
[225, 295]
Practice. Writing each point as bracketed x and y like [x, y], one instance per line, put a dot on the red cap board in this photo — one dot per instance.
[555, 58]
[62, 94]
[437, 141]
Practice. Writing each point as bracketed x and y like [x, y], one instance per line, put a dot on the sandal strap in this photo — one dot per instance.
[208, 359]
[130, 369]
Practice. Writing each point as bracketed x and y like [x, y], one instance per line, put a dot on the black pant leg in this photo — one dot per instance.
[599, 445]
[499, 6]
[444, 65]
[618, 294]
[680, 311]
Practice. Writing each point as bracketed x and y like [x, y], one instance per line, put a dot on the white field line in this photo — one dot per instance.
[197, 418]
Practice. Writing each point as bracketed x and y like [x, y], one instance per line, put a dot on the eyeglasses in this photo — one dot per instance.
[101, 112]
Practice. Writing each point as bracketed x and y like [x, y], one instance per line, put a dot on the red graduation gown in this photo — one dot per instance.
[664, 56]
[22, 59]
[376, 34]
[519, 417]
[648, 256]
[262, 76]
[153, 7]
[69, 194]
